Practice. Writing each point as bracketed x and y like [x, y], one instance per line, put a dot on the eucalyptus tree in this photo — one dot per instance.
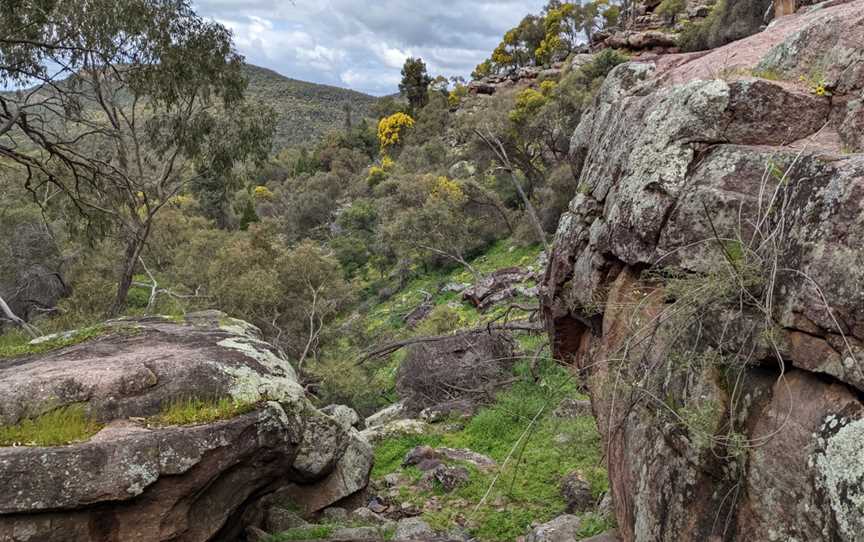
[120, 106]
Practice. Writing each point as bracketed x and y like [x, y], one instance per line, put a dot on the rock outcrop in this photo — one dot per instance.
[139, 480]
[708, 285]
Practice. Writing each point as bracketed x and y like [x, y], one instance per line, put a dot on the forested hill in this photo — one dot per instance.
[305, 110]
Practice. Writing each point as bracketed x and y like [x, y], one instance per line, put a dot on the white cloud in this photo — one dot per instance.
[363, 44]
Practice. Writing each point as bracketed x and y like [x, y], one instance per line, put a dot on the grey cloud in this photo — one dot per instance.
[361, 43]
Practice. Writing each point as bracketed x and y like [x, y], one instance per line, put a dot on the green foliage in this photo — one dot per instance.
[15, 343]
[415, 83]
[671, 9]
[55, 428]
[196, 411]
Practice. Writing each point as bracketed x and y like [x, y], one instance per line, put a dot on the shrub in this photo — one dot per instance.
[392, 129]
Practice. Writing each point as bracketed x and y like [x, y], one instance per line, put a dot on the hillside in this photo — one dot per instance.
[306, 110]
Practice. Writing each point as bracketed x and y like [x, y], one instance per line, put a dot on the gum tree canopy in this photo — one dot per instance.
[119, 106]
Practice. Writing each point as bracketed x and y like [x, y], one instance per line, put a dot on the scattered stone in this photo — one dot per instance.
[561, 529]
[394, 479]
[278, 520]
[366, 515]
[346, 416]
[577, 493]
[451, 477]
[394, 429]
[334, 514]
[413, 529]
[573, 408]
[394, 412]
[461, 408]
[409, 509]
[354, 534]
[376, 506]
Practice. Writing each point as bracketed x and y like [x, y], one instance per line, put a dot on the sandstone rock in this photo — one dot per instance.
[494, 283]
[426, 454]
[413, 529]
[394, 412]
[394, 429]
[561, 529]
[191, 482]
[334, 514]
[278, 520]
[577, 493]
[346, 416]
[440, 412]
[672, 157]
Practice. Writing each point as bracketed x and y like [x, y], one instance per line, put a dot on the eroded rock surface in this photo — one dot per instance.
[729, 409]
[138, 482]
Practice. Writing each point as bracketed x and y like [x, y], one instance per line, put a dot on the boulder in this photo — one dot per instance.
[396, 428]
[492, 285]
[394, 412]
[413, 529]
[420, 454]
[138, 481]
[577, 493]
[463, 366]
[561, 529]
[676, 163]
[347, 417]
[278, 520]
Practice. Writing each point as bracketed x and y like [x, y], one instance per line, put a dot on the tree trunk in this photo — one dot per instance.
[134, 247]
[7, 312]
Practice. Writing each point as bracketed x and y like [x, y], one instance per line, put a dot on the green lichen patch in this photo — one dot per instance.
[62, 426]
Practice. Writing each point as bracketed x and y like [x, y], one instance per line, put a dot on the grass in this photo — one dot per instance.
[61, 426]
[528, 489]
[195, 411]
[16, 343]
[312, 532]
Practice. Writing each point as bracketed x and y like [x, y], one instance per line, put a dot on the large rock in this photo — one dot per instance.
[561, 529]
[139, 482]
[708, 284]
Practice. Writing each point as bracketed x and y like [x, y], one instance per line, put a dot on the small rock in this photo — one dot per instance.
[438, 413]
[451, 477]
[352, 534]
[366, 515]
[376, 506]
[606, 506]
[335, 514]
[573, 408]
[413, 529]
[409, 509]
[278, 520]
[561, 529]
[393, 429]
[394, 479]
[394, 412]
[346, 416]
[577, 493]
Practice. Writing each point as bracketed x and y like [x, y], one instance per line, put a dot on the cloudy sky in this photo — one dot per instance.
[361, 44]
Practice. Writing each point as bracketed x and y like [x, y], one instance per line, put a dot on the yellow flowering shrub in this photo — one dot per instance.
[262, 193]
[391, 130]
[447, 191]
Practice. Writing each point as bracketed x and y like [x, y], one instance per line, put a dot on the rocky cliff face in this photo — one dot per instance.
[708, 284]
[137, 480]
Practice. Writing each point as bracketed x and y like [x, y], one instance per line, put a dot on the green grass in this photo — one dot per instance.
[56, 428]
[194, 411]
[16, 343]
[312, 532]
[529, 485]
